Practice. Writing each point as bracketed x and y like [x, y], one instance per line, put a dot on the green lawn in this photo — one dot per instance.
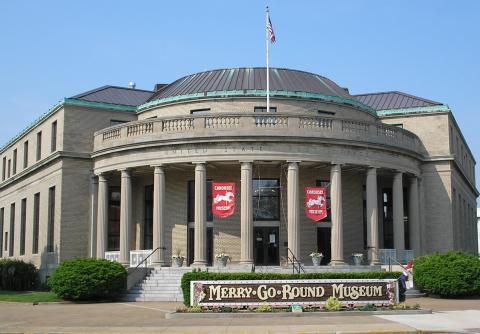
[29, 296]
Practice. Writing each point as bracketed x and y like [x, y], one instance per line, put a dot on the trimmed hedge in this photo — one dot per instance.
[88, 279]
[207, 276]
[449, 275]
[17, 275]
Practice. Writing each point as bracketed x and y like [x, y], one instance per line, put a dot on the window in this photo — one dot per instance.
[113, 219]
[4, 168]
[114, 122]
[399, 125]
[36, 222]
[322, 112]
[23, 218]
[326, 184]
[51, 219]
[6, 242]
[148, 223]
[264, 109]
[12, 229]
[204, 111]
[191, 201]
[9, 169]
[54, 137]
[266, 199]
[39, 145]
[14, 167]
[2, 212]
[25, 154]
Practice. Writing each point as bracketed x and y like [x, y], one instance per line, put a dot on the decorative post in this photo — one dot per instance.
[158, 258]
[337, 215]
[200, 251]
[246, 214]
[125, 217]
[372, 217]
[102, 216]
[293, 209]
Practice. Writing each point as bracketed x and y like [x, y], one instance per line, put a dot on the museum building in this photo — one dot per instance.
[118, 172]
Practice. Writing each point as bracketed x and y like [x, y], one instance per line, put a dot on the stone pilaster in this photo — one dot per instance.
[158, 258]
[293, 210]
[372, 216]
[337, 215]
[125, 217]
[102, 216]
[246, 214]
[398, 225]
[200, 251]
[414, 216]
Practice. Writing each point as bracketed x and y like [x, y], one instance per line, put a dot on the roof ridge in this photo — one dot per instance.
[95, 90]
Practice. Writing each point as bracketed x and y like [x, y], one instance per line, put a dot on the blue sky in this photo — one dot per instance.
[55, 49]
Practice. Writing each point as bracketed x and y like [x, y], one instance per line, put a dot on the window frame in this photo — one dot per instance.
[276, 215]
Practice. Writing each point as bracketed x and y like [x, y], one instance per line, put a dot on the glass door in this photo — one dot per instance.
[266, 246]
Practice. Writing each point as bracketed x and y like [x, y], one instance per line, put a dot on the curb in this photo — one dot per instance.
[184, 315]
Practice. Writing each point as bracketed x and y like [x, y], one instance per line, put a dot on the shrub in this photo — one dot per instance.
[264, 308]
[206, 276]
[450, 274]
[333, 304]
[17, 275]
[88, 279]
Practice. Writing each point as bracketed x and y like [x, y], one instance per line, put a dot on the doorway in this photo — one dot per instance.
[191, 246]
[266, 246]
[324, 244]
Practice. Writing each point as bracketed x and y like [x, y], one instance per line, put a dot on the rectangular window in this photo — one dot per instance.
[23, 222]
[148, 222]
[6, 242]
[113, 219]
[204, 111]
[51, 219]
[39, 145]
[398, 125]
[264, 109]
[4, 168]
[266, 199]
[2, 212]
[25, 154]
[14, 167]
[322, 112]
[114, 122]
[12, 230]
[9, 168]
[54, 137]
[191, 201]
[36, 222]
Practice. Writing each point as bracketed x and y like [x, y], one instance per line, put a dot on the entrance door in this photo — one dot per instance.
[191, 245]
[266, 246]
[324, 244]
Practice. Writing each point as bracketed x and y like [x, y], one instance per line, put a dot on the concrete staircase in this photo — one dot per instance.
[163, 284]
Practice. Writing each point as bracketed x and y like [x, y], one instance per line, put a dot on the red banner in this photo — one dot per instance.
[316, 203]
[223, 199]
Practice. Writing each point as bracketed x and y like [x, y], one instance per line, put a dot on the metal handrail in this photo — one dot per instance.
[390, 259]
[146, 258]
[294, 260]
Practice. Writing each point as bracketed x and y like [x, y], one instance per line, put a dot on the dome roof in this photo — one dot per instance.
[237, 79]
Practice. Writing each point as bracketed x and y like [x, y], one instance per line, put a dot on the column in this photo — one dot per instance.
[93, 214]
[125, 217]
[398, 227]
[372, 217]
[158, 258]
[337, 215]
[102, 216]
[200, 251]
[293, 221]
[246, 214]
[414, 216]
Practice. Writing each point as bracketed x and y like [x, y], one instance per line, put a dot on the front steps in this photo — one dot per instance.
[163, 283]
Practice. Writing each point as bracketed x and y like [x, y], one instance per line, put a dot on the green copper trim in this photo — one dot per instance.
[101, 105]
[388, 112]
[258, 92]
[71, 102]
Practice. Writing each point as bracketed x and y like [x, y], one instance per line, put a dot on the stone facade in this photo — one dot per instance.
[400, 180]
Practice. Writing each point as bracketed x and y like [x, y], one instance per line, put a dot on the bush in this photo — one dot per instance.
[449, 275]
[333, 304]
[17, 275]
[88, 279]
[206, 276]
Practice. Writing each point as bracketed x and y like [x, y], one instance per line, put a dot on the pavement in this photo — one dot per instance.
[451, 315]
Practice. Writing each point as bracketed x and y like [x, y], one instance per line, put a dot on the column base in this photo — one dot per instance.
[159, 264]
[199, 264]
[375, 263]
[334, 263]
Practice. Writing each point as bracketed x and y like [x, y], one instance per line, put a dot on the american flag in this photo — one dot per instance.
[270, 30]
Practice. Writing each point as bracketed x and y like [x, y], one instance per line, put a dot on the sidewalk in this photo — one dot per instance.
[148, 317]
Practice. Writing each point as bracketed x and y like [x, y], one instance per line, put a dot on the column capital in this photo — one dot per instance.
[102, 177]
[199, 162]
[159, 169]
[245, 161]
[126, 172]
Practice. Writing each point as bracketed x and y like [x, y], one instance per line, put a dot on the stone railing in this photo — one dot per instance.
[254, 125]
[136, 256]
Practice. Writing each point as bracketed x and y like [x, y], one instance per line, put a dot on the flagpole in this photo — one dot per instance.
[268, 56]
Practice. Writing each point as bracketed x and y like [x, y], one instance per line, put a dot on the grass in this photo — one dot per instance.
[29, 296]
